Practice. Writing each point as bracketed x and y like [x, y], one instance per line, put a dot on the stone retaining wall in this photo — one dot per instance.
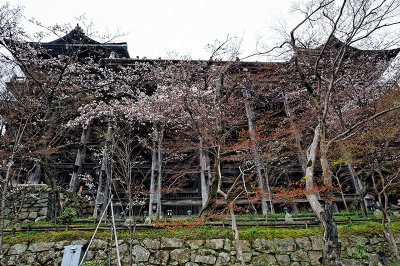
[35, 202]
[171, 251]
[28, 203]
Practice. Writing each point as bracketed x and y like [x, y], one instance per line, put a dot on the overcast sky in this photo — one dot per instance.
[153, 28]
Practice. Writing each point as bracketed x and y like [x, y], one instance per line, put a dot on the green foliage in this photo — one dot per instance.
[95, 263]
[68, 216]
[360, 252]
[202, 232]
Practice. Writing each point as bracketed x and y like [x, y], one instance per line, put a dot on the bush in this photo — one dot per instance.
[68, 216]
[94, 263]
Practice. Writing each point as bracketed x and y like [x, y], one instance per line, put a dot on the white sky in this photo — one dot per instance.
[155, 27]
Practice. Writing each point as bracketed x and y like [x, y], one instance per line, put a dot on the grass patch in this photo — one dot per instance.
[201, 232]
[364, 229]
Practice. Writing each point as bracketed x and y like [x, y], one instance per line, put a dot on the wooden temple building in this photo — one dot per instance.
[189, 197]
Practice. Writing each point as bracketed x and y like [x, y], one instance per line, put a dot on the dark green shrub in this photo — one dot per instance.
[95, 263]
[68, 216]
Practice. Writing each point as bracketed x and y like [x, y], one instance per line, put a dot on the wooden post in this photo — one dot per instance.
[257, 160]
[102, 171]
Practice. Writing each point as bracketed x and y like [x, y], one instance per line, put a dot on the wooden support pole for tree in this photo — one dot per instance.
[99, 193]
[254, 150]
[79, 161]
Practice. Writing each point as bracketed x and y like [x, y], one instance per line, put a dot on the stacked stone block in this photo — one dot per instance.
[172, 251]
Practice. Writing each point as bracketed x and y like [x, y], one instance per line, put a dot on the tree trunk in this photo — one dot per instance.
[3, 200]
[341, 193]
[152, 197]
[159, 175]
[235, 230]
[212, 188]
[383, 205]
[271, 204]
[331, 246]
[79, 161]
[203, 170]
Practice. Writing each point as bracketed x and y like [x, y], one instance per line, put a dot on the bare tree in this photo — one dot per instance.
[323, 64]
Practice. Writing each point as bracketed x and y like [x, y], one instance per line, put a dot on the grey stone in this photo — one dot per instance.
[171, 242]
[303, 243]
[343, 244]
[299, 255]
[285, 244]
[215, 243]
[375, 240]
[90, 255]
[374, 259]
[41, 246]
[13, 260]
[205, 259]
[82, 242]
[32, 215]
[98, 244]
[147, 220]
[46, 256]
[264, 259]
[397, 237]
[195, 244]
[17, 249]
[7, 223]
[61, 244]
[140, 253]
[246, 257]
[100, 255]
[152, 243]
[315, 257]
[283, 259]
[192, 255]
[227, 244]
[29, 258]
[265, 245]
[206, 256]
[40, 219]
[43, 212]
[181, 255]
[350, 262]
[159, 257]
[23, 215]
[123, 249]
[316, 242]
[245, 244]
[359, 239]
[191, 264]
[5, 248]
[206, 252]
[223, 259]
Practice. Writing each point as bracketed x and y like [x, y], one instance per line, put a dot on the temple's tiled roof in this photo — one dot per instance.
[77, 39]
